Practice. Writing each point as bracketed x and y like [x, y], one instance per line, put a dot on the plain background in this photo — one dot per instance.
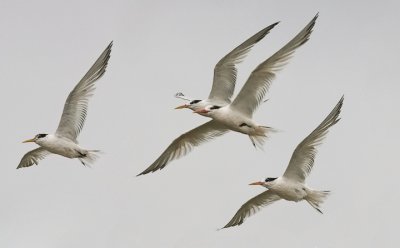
[160, 48]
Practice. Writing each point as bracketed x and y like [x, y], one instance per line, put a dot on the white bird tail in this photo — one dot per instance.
[316, 197]
[90, 157]
[259, 135]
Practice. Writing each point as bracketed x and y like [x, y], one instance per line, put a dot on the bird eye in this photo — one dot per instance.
[269, 179]
[195, 101]
[41, 135]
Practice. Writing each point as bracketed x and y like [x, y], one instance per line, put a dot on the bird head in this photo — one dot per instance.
[193, 105]
[268, 182]
[208, 110]
[37, 138]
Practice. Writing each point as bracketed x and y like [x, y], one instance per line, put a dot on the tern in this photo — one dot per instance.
[247, 101]
[225, 75]
[238, 115]
[64, 141]
[291, 186]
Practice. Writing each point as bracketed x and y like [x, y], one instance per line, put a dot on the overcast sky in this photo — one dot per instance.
[160, 48]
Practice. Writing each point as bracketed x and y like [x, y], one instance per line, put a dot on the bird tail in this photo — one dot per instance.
[90, 157]
[260, 134]
[316, 197]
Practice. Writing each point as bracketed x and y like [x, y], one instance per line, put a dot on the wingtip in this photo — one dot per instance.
[313, 21]
[178, 94]
[109, 48]
[340, 103]
[261, 34]
[276, 23]
[315, 18]
[225, 227]
[141, 173]
[144, 172]
[230, 225]
[269, 28]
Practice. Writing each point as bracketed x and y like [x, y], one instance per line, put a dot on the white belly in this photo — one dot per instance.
[290, 191]
[235, 121]
[63, 147]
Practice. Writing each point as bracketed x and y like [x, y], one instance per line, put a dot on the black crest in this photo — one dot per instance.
[270, 179]
[41, 135]
[195, 101]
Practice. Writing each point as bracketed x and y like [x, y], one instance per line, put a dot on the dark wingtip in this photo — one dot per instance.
[274, 24]
[142, 173]
[267, 29]
[231, 225]
[340, 104]
[315, 18]
[226, 226]
[145, 172]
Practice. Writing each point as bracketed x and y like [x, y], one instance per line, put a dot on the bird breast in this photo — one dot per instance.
[61, 146]
[234, 120]
[290, 191]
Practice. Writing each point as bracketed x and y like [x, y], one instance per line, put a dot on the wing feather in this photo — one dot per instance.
[302, 160]
[257, 85]
[33, 157]
[252, 206]
[76, 105]
[186, 142]
[225, 71]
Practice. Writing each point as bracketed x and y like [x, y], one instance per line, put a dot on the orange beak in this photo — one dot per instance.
[29, 140]
[201, 111]
[182, 106]
[257, 183]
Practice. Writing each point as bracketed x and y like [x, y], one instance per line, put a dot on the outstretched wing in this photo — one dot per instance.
[257, 85]
[302, 160]
[75, 108]
[185, 143]
[33, 157]
[252, 206]
[225, 71]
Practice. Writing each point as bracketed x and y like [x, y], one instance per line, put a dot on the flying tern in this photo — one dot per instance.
[291, 186]
[252, 92]
[238, 115]
[64, 141]
[225, 75]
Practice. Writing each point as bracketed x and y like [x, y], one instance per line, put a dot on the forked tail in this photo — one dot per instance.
[90, 157]
[316, 197]
[260, 135]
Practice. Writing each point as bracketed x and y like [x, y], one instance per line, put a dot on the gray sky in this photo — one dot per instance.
[167, 46]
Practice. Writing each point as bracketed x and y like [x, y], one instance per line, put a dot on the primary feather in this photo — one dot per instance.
[76, 105]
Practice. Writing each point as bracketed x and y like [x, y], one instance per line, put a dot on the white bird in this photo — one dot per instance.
[64, 141]
[225, 75]
[252, 92]
[237, 116]
[291, 186]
